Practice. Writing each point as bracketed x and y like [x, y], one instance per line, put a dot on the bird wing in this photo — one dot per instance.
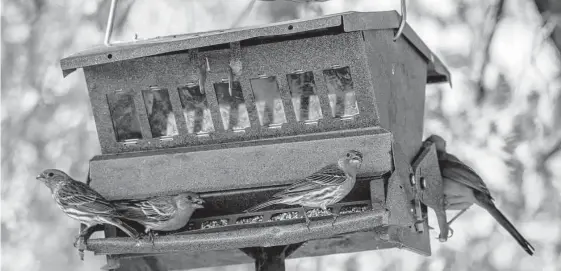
[454, 169]
[80, 196]
[156, 209]
[330, 175]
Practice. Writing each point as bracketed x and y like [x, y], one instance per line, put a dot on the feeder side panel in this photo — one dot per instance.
[234, 166]
[313, 55]
[418, 242]
[399, 74]
[107, 81]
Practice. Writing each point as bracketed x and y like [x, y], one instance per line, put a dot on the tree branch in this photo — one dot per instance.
[497, 16]
[551, 9]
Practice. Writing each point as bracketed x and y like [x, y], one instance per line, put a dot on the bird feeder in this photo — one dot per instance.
[238, 114]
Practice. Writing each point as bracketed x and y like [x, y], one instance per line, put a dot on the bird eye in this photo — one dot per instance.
[189, 198]
[349, 154]
[51, 174]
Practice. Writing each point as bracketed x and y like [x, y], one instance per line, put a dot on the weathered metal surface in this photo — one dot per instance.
[275, 59]
[238, 79]
[350, 21]
[348, 243]
[236, 166]
[399, 72]
[245, 237]
[431, 187]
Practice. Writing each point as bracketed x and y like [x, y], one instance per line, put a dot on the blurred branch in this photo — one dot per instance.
[495, 19]
[551, 10]
[555, 148]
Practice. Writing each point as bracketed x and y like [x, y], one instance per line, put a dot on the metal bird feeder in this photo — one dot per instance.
[238, 114]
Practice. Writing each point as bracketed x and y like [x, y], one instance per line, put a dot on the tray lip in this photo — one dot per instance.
[254, 236]
[349, 22]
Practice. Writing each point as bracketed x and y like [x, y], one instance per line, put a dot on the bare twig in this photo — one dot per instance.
[548, 10]
[496, 17]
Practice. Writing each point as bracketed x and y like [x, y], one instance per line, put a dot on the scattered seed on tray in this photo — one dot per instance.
[318, 212]
[214, 224]
[191, 226]
[353, 209]
[250, 219]
[285, 216]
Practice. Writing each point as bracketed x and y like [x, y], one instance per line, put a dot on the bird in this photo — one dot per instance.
[80, 202]
[325, 187]
[160, 213]
[463, 187]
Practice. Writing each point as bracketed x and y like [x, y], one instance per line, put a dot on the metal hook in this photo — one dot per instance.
[110, 21]
[403, 20]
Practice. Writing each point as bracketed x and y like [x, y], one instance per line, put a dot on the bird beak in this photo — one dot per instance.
[39, 177]
[199, 203]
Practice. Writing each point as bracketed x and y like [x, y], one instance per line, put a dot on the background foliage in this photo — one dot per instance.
[502, 117]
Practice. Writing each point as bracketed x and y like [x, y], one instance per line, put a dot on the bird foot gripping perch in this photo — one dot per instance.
[429, 186]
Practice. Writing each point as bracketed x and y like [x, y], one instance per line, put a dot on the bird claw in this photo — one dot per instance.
[80, 242]
[334, 219]
[443, 239]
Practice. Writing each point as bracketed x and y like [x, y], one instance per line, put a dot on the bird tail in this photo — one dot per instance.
[130, 231]
[492, 209]
[264, 204]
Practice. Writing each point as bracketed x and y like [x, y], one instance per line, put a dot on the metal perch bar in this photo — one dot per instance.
[247, 237]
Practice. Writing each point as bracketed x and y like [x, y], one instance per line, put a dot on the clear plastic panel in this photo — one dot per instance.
[124, 117]
[304, 97]
[268, 101]
[160, 113]
[342, 96]
[195, 109]
[232, 105]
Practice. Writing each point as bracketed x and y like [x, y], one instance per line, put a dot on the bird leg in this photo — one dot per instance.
[151, 236]
[334, 214]
[306, 217]
[85, 234]
[80, 242]
[457, 215]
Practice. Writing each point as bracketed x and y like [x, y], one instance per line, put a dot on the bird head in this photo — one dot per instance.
[50, 177]
[351, 161]
[190, 199]
[439, 142]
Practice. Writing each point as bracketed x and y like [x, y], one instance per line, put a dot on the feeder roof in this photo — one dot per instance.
[346, 22]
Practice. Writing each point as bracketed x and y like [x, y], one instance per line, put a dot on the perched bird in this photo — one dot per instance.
[463, 187]
[327, 186]
[163, 213]
[81, 202]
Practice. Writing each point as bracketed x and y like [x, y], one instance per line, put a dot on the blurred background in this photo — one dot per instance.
[502, 116]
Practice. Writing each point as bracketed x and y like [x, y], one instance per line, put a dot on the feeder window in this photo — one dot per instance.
[268, 101]
[195, 109]
[342, 97]
[232, 105]
[160, 113]
[304, 98]
[124, 117]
